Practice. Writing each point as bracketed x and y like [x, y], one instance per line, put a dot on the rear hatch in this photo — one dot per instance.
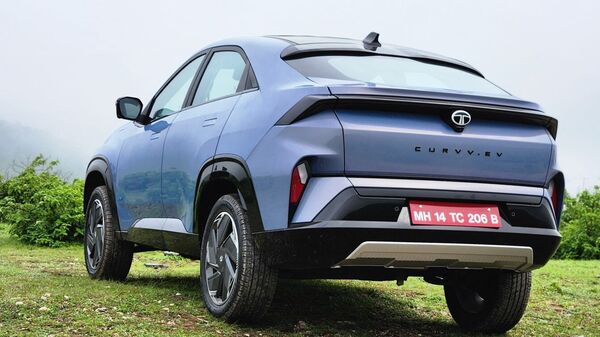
[410, 134]
[396, 106]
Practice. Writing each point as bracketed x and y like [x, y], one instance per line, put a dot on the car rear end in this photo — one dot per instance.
[444, 176]
[442, 170]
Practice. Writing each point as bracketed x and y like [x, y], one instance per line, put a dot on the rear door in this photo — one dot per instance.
[194, 135]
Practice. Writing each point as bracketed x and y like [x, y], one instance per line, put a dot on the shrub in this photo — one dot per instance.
[580, 226]
[40, 207]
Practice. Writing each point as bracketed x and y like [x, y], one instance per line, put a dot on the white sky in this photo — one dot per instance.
[63, 63]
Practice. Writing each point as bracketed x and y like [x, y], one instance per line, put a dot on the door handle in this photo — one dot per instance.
[155, 135]
[210, 121]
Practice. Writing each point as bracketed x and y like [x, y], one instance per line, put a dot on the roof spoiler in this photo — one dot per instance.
[312, 104]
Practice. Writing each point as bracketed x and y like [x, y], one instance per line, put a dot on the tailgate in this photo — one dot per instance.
[413, 140]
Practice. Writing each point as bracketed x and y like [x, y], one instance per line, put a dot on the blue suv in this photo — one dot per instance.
[319, 157]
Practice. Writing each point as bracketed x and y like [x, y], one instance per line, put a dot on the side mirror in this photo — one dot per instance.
[129, 108]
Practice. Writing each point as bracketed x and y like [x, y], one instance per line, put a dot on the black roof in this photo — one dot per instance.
[306, 45]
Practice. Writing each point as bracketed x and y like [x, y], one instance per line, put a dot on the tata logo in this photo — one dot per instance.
[460, 118]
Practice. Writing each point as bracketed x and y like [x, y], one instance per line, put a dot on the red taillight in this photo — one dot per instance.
[553, 191]
[299, 180]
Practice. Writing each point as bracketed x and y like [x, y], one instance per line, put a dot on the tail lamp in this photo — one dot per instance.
[299, 180]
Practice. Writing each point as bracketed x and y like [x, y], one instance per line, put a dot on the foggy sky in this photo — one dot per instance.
[63, 63]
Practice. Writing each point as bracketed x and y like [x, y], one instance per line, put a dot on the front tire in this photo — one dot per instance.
[106, 257]
[488, 301]
[236, 281]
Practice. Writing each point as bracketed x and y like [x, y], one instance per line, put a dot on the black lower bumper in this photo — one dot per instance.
[324, 244]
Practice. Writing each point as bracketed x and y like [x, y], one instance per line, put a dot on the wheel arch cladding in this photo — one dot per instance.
[92, 180]
[97, 174]
[225, 175]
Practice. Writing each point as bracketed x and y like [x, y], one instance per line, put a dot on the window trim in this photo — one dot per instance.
[248, 77]
[148, 108]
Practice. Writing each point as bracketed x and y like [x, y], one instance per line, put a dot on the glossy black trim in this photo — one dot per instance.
[447, 195]
[101, 165]
[153, 235]
[120, 114]
[385, 204]
[150, 235]
[233, 170]
[424, 102]
[349, 205]
[538, 216]
[357, 48]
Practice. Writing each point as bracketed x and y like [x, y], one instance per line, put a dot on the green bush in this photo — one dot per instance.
[40, 207]
[580, 226]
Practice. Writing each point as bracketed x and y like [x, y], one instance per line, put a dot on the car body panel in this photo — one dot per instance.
[182, 159]
[272, 161]
[138, 173]
[411, 145]
[344, 131]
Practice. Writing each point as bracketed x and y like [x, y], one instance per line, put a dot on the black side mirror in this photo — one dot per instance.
[129, 108]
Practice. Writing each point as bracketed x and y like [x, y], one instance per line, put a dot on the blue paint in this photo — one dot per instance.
[156, 167]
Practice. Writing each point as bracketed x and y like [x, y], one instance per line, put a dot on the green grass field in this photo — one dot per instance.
[46, 292]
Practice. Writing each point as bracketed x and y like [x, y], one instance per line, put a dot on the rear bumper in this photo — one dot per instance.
[354, 224]
[340, 244]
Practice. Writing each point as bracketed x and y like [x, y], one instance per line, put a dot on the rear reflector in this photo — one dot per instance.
[299, 180]
[553, 195]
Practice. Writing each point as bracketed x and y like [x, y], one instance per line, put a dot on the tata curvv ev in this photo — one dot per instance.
[318, 157]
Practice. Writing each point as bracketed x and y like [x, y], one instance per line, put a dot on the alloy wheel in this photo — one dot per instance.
[221, 262]
[94, 240]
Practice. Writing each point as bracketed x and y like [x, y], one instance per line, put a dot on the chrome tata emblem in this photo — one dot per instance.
[460, 118]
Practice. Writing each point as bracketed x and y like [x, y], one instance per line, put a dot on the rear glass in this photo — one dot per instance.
[394, 72]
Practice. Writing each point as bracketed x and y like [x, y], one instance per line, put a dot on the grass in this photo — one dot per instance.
[46, 292]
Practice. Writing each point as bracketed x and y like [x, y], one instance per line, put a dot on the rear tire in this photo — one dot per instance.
[106, 257]
[488, 301]
[236, 281]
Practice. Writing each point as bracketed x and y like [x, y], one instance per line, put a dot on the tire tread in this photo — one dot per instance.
[510, 293]
[118, 254]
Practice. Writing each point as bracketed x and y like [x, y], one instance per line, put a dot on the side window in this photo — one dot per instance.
[221, 78]
[170, 100]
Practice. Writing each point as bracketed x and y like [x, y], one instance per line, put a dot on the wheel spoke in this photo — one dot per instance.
[90, 240]
[231, 249]
[97, 211]
[223, 229]
[98, 243]
[229, 267]
[224, 285]
[214, 281]
[211, 252]
[96, 257]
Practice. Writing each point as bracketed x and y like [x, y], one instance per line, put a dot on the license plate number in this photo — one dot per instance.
[435, 213]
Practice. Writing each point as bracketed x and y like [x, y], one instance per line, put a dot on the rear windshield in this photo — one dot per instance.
[394, 72]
